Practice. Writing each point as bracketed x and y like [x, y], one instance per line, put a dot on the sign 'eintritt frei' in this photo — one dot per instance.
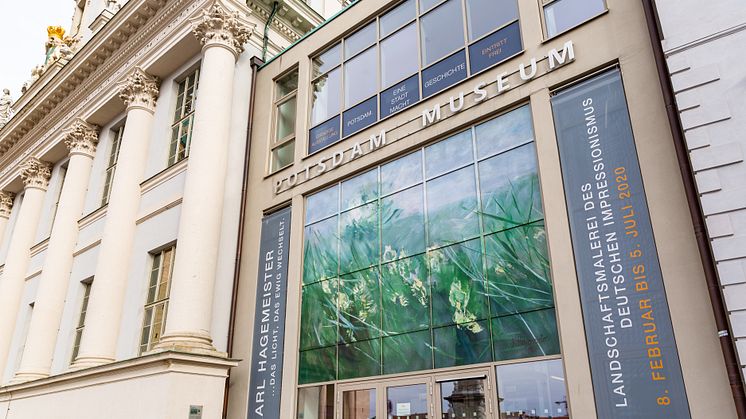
[555, 58]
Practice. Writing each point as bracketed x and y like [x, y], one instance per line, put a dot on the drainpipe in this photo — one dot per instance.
[266, 29]
[255, 64]
[698, 219]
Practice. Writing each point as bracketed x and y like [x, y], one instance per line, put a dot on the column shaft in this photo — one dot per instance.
[17, 259]
[54, 279]
[98, 344]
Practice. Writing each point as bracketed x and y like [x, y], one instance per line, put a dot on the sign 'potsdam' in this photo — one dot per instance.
[634, 362]
[269, 317]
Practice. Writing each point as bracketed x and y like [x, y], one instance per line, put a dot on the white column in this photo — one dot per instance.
[35, 175]
[6, 206]
[98, 344]
[36, 363]
[223, 35]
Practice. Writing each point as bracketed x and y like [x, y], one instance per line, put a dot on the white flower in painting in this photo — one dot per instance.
[326, 287]
[540, 234]
[474, 327]
[389, 253]
[343, 301]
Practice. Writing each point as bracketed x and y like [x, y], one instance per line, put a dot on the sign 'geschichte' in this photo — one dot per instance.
[635, 365]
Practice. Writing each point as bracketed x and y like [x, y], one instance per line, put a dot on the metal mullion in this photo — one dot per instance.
[418, 29]
[427, 250]
[465, 29]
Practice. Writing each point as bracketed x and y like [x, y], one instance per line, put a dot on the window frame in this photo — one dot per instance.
[175, 152]
[376, 20]
[543, 4]
[80, 326]
[275, 142]
[153, 336]
[113, 158]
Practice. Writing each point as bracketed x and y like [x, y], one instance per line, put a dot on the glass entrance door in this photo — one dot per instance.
[464, 395]
[408, 401]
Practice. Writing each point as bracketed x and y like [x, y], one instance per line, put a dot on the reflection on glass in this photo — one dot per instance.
[458, 284]
[452, 207]
[401, 173]
[509, 183]
[397, 59]
[463, 399]
[359, 404]
[525, 335]
[316, 402]
[283, 156]
[406, 295]
[286, 119]
[504, 132]
[360, 77]
[565, 14]
[328, 60]
[448, 154]
[359, 302]
[360, 359]
[483, 16]
[326, 96]
[518, 276]
[360, 190]
[426, 5]
[463, 344]
[441, 31]
[407, 402]
[358, 243]
[532, 390]
[403, 212]
[322, 204]
[319, 315]
[318, 365]
[394, 19]
[320, 251]
[287, 84]
[407, 352]
[360, 40]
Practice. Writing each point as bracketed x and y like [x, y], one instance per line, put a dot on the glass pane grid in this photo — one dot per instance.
[471, 313]
[156, 305]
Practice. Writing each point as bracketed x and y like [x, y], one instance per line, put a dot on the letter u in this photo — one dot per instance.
[522, 68]
[454, 108]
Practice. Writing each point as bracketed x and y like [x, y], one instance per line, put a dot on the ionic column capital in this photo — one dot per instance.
[219, 26]
[6, 203]
[82, 138]
[35, 173]
[140, 90]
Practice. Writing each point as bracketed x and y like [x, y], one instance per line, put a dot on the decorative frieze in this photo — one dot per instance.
[35, 173]
[221, 27]
[82, 138]
[6, 203]
[140, 89]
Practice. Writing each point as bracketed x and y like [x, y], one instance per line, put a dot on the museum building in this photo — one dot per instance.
[465, 208]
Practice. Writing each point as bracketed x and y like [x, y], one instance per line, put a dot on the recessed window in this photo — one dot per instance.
[397, 60]
[286, 104]
[532, 389]
[181, 129]
[441, 31]
[485, 15]
[156, 304]
[360, 77]
[397, 17]
[561, 15]
[111, 163]
[81, 321]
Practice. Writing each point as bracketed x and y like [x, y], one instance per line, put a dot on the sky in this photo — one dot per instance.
[23, 29]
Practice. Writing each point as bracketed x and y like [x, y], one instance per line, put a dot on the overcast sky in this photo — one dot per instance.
[23, 31]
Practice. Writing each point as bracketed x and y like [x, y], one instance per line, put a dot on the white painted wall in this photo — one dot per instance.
[704, 51]
[22, 321]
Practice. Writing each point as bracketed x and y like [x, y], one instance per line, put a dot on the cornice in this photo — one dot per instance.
[291, 22]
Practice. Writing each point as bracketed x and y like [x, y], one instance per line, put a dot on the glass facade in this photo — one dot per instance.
[562, 15]
[433, 260]
[412, 51]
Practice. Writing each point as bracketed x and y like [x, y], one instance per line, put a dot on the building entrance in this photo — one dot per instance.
[464, 394]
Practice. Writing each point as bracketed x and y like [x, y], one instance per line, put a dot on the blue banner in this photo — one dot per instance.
[267, 353]
[635, 365]
[444, 74]
[495, 48]
[323, 135]
[360, 116]
[400, 96]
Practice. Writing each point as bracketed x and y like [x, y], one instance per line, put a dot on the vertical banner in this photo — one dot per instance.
[634, 361]
[269, 317]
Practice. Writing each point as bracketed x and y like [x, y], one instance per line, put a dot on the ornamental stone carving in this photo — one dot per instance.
[140, 90]
[6, 110]
[6, 203]
[35, 173]
[82, 138]
[220, 27]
